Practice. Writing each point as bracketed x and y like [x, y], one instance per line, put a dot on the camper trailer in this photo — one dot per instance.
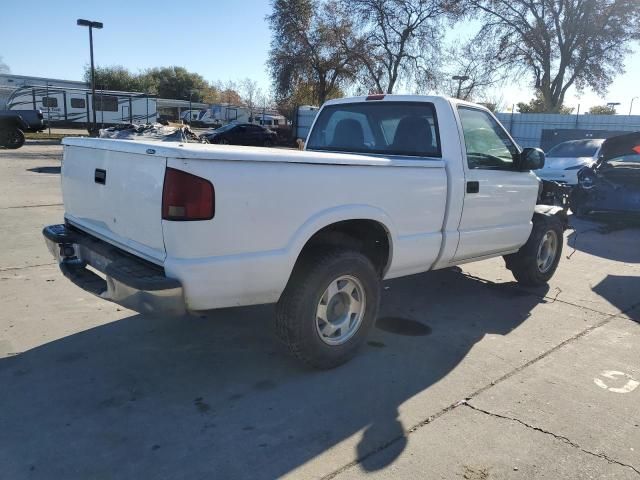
[221, 114]
[69, 107]
[271, 121]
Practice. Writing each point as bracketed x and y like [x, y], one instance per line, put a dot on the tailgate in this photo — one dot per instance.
[117, 196]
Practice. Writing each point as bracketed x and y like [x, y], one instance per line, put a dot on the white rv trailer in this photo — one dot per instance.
[272, 121]
[73, 106]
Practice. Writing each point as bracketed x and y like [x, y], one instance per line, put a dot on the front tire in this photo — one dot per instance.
[328, 307]
[536, 262]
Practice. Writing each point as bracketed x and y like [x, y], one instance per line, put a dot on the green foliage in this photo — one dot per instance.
[166, 82]
[537, 105]
[312, 53]
[602, 110]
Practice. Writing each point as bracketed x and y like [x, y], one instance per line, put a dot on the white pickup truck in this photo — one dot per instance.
[387, 186]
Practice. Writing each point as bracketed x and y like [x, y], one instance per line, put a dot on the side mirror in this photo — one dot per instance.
[531, 159]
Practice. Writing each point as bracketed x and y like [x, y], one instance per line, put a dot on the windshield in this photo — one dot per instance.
[575, 149]
[395, 128]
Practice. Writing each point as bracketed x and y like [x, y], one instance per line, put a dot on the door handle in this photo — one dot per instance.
[473, 187]
[100, 176]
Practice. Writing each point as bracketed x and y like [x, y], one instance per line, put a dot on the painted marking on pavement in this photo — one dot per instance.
[628, 387]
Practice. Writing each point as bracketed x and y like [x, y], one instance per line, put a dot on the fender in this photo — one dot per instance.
[333, 215]
[553, 211]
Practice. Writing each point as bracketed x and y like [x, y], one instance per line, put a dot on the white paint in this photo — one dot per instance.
[629, 387]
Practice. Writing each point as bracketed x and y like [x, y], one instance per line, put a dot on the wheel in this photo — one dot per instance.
[223, 141]
[536, 262]
[15, 139]
[267, 143]
[328, 307]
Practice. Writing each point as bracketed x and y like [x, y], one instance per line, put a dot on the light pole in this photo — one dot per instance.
[631, 107]
[460, 79]
[88, 23]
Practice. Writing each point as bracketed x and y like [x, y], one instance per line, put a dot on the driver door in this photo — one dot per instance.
[499, 200]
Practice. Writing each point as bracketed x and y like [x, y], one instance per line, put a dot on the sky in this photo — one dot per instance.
[220, 40]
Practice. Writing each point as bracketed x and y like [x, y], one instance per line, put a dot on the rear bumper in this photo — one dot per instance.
[128, 280]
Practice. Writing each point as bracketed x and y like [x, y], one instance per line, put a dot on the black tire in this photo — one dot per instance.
[524, 263]
[15, 139]
[267, 143]
[296, 310]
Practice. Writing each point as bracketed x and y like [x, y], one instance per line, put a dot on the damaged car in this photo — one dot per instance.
[612, 184]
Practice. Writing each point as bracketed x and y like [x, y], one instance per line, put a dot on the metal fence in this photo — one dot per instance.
[547, 129]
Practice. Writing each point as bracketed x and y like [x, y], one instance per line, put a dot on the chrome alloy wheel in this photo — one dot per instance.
[340, 310]
[547, 251]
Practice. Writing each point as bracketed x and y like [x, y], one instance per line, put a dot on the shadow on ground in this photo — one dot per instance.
[216, 397]
[615, 290]
[611, 237]
[50, 170]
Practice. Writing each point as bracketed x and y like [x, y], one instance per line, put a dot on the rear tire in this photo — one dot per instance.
[15, 139]
[328, 307]
[536, 262]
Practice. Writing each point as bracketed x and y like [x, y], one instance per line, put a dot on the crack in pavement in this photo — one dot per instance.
[562, 438]
[506, 376]
[9, 269]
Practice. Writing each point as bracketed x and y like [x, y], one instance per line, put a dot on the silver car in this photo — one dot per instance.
[565, 159]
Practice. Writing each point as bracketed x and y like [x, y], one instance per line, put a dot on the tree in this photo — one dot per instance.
[537, 105]
[602, 110]
[4, 68]
[250, 93]
[398, 38]
[115, 77]
[480, 61]
[563, 43]
[312, 45]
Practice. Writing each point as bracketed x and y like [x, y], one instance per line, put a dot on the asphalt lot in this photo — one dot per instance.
[499, 381]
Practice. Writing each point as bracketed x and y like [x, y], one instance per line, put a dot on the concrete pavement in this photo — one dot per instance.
[503, 382]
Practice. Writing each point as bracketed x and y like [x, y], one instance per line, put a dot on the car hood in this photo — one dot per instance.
[560, 163]
[621, 145]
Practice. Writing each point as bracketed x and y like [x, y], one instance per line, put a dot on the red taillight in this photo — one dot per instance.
[187, 197]
[377, 96]
[636, 149]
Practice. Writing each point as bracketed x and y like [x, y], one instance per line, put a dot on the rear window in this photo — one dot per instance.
[575, 149]
[392, 128]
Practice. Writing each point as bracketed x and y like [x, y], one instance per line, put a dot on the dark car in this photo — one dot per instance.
[13, 124]
[612, 184]
[241, 134]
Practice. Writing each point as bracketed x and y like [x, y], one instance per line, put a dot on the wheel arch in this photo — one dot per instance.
[366, 228]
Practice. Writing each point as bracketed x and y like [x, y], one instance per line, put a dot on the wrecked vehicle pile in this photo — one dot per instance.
[153, 132]
[612, 184]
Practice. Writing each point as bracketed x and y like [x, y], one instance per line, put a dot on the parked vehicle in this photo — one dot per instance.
[14, 124]
[68, 107]
[388, 186]
[221, 114]
[241, 134]
[270, 121]
[613, 183]
[563, 161]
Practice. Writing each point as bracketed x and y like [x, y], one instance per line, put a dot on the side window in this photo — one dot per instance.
[487, 144]
[77, 103]
[49, 102]
[106, 103]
